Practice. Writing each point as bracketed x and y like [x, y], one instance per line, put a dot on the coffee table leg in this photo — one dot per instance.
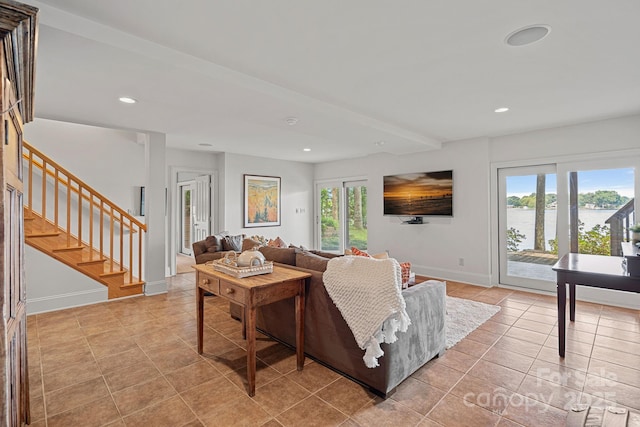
[250, 319]
[300, 328]
[200, 311]
[562, 315]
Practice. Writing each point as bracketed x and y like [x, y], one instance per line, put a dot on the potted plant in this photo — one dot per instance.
[635, 233]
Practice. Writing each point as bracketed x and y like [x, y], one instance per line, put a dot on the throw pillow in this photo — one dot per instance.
[357, 252]
[381, 255]
[248, 244]
[233, 243]
[213, 243]
[406, 272]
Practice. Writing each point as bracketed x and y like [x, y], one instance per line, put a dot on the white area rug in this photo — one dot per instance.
[463, 316]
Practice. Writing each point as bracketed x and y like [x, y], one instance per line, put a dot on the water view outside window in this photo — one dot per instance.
[531, 223]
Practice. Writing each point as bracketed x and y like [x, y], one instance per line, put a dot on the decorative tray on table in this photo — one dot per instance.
[229, 265]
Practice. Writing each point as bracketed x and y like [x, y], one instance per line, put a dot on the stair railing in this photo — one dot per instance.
[620, 222]
[82, 210]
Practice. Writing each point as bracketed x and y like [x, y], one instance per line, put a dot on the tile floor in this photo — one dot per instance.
[133, 362]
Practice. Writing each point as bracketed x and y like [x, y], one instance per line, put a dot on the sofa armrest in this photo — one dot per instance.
[198, 248]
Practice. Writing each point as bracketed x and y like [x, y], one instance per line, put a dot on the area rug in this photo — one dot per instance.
[463, 316]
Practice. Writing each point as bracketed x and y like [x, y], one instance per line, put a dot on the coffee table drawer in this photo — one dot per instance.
[210, 284]
[232, 292]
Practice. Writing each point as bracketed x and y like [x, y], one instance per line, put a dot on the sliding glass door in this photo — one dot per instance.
[342, 215]
[548, 210]
[527, 226]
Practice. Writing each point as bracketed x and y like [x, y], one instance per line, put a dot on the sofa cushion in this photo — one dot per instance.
[311, 261]
[281, 255]
[324, 254]
[233, 243]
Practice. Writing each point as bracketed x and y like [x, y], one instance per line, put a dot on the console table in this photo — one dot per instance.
[250, 293]
[598, 271]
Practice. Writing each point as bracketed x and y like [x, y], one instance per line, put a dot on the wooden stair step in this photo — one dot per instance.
[92, 262]
[131, 285]
[43, 234]
[114, 273]
[69, 248]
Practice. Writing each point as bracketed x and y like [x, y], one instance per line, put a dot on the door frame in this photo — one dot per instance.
[527, 283]
[632, 159]
[182, 187]
[173, 204]
[338, 183]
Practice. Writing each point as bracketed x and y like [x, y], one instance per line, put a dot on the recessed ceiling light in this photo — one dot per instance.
[306, 149]
[379, 143]
[291, 121]
[204, 144]
[501, 110]
[127, 100]
[527, 35]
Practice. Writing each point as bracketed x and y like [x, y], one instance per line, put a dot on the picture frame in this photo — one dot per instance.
[262, 202]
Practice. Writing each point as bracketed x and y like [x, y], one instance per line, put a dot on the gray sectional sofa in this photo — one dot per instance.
[329, 340]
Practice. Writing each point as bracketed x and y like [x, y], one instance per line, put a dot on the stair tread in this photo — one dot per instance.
[42, 234]
[68, 248]
[131, 285]
[113, 273]
[93, 261]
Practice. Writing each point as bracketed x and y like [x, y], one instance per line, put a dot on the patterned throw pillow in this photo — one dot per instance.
[406, 272]
[277, 243]
[233, 243]
[358, 252]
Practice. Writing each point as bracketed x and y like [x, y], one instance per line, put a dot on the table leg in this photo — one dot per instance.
[250, 319]
[562, 315]
[200, 311]
[244, 323]
[300, 327]
[572, 302]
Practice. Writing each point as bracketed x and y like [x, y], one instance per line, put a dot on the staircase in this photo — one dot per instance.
[71, 222]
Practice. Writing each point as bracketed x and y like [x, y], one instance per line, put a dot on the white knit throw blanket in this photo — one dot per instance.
[368, 293]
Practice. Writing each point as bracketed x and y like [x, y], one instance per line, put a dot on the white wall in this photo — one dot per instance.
[296, 188]
[435, 248]
[110, 161]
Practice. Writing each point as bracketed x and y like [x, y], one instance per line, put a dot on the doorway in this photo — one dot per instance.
[192, 216]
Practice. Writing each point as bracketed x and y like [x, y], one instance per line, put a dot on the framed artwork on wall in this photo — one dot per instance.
[261, 201]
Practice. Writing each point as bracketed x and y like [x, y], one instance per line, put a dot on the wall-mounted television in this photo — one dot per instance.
[419, 194]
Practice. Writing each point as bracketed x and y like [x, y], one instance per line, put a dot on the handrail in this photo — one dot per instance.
[59, 168]
[619, 224]
[86, 202]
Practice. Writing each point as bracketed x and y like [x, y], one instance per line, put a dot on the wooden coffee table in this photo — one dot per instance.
[250, 293]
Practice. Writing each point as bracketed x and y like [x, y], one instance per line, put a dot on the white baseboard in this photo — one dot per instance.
[155, 288]
[454, 275]
[59, 302]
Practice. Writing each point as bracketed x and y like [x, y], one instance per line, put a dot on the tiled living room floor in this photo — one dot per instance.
[133, 362]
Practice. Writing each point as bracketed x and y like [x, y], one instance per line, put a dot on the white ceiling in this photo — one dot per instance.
[414, 74]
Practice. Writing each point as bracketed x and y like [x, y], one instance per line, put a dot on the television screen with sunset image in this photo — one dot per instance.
[419, 194]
